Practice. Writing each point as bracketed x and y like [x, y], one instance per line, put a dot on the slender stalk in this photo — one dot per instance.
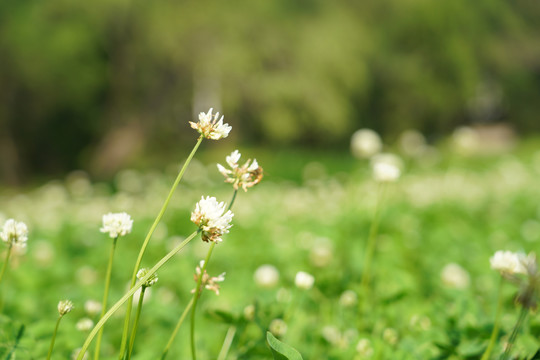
[136, 323]
[175, 332]
[517, 327]
[130, 293]
[4, 267]
[147, 239]
[197, 293]
[105, 296]
[370, 249]
[51, 347]
[227, 343]
[497, 323]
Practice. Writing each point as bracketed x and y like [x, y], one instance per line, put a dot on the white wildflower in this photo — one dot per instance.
[116, 225]
[364, 347]
[64, 307]
[245, 176]
[507, 263]
[386, 167]
[348, 298]
[331, 334]
[210, 127]
[454, 276]
[303, 280]
[14, 233]
[266, 276]
[390, 335]
[84, 324]
[92, 307]
[211, 217]
[278, 327]
[151, 280]
[365, 143]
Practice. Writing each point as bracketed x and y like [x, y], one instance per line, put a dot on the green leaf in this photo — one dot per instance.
[280, 350]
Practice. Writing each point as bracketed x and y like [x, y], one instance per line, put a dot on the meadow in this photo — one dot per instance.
[431, 292]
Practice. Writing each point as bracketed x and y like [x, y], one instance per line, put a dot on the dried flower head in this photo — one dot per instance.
[116, 225]
[303, 280]
[64, 307]
[507, 263]
[14, 233]
[245, 176]
[210, 127]
[211, 217]
[529, 288]
[151, 280]
[207, 282]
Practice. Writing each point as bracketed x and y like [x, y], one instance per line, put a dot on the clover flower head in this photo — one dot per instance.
[92, 307]
[207, 282]
[14, 233]
[245, 176]
[278, 327]
[454, 276]
[64, 307]
[507, 263]
[210, 216]
[116, 225]
[211, 126]
[84, 324]
[151, 280]
[386, 167]
[365, 143]
[529, 264]
[303, 280]
[266, 276]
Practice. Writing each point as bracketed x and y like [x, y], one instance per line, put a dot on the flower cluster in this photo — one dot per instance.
[386, 167]
[211, 217]
[210, 127]
[507, 263]
[151, 280]
[116, 224]
[207, 282]
[64, 307]
[15, 233]
[245, 176]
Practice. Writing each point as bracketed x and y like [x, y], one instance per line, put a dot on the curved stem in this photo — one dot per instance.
[147, 239]
[497, 323]
[105, 296]
[517, 327]
[4, 267]
[51, 347]
[136, 323]
[175, 332]
[130, 293]
[227, 343]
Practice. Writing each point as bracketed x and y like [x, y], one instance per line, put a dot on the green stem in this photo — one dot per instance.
[4, 267]
[130, 293]
[197, 293]
[136, 323]
[54, 337]
[497, 323]
[227, 343]
[175, 332]
[147, 239]
[517, 327]
[105, 296]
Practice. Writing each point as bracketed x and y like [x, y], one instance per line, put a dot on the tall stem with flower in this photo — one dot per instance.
[64, 307]
[14, 233]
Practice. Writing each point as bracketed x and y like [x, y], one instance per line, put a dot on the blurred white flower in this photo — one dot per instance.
[245, 176]
[266, 276]
[364, 347]
[64, 307]
[413, 143]
[507, 263]
[151, 280]
[210, 127]
[92, 307]
[116, 225]
[84, 324]
[303, 280]
[390, 335]
[365, 143]
[454, 276]
[321, 253]
[386, 167]
[14, 233]
[348, 298]
[331, 334]
[278, 327]
[211, 217]
[207, 282]
[249, 312]
[466, 140]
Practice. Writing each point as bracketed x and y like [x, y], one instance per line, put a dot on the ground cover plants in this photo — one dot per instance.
[349, 257]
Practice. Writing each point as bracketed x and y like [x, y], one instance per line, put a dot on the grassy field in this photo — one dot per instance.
[432, 293]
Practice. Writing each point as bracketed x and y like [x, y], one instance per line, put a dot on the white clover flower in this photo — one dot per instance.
[249, 312]
[210, 127]
[211, 217]
[303, 280]
[207, 282]
[84, 324]
[151, 280]
[507, 263]
[364, 348]
[454, 276]
[266, 276]
[278, 327]
[14, 233]
[92, 307]
[386, 167]
[390, 335]
[365, 143]
[331, 334]
[245, 176]
[116, 225]
[348, 298]
[64, 307]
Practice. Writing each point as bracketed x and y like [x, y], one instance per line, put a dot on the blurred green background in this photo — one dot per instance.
[105, 84]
